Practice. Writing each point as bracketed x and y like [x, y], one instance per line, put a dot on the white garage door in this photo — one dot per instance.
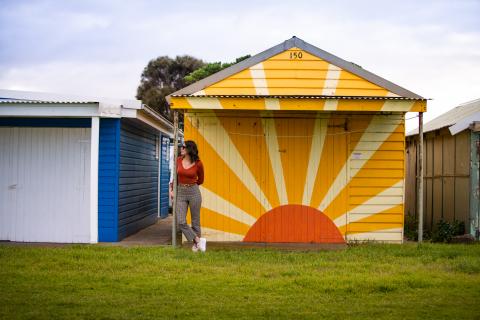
[44, 184]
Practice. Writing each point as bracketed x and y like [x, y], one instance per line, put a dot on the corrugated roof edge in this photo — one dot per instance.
[298, 97]
[18, 101]
[450, 120]
[48, 97]
[291, 43]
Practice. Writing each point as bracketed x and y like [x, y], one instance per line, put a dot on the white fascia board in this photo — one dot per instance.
[50, 110]
[154, 124]
[94, 154]
[129, 113]
[464, 123]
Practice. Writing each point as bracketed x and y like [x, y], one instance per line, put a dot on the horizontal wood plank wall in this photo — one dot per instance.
[295, 72]
[376, 191]
[348, 168]
[138, 182]
[108, 166]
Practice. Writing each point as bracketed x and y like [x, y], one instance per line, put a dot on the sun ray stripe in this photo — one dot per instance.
[259, 79]
[294, 138]
[383, 132]
[366, 207]
[272, 104]
[319, 134]
[219, 176]
[383, 178]
[248, 136]
[333, 159]
[393, 217]
[331, 80]
[233, 158]
[220, 235]
[275, 160]
[397, 105]
[387, 235]
[205, 103]
[330, 105]
[199, 93]
[214, 202]
[214, 220]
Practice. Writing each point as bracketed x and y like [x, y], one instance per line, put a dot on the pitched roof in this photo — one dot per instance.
[295, 42]
[457, 119]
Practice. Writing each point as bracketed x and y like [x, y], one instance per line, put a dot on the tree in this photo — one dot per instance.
[163, 76]
[209, 69]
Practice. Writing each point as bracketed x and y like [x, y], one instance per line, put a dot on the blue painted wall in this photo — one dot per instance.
[138, 177]
[164, 175]
[128, 172]
[108, 180]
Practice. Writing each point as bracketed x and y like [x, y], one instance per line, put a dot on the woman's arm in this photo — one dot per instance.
[199, 172]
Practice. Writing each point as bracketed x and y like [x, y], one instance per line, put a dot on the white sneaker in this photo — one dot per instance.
[202, 245]
[195, 247]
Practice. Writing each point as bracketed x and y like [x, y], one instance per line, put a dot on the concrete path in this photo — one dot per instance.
[159, 233]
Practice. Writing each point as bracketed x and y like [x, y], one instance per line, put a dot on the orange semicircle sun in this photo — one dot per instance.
[294, 223]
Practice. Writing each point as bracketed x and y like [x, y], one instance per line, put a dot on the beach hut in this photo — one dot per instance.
[299, 146]
[451, 162]
[80, 170]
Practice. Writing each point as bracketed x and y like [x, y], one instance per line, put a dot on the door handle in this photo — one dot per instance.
[12, 187]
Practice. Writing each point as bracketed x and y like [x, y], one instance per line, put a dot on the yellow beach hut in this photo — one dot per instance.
[301, 146]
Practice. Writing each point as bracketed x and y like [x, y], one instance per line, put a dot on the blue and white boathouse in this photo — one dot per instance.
[80, 170]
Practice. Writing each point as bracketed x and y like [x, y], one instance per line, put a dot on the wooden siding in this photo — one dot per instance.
[295, 72]
[45, 181]
[269, 175]
[379, 188]
[108, 169]
[138, 179]
[446, 178]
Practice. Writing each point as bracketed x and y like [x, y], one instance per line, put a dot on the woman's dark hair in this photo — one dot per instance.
[192, 150]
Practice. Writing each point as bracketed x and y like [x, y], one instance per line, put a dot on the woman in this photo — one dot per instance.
[189, 177]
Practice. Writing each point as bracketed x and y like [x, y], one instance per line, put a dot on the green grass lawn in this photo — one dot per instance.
[361, 282]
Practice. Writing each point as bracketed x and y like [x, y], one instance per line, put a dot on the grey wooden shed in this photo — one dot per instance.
[451, 168]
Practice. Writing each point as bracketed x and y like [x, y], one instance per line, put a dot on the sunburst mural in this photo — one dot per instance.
[299, 145]
[324, 178]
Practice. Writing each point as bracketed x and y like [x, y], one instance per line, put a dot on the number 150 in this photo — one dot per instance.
[296, 55]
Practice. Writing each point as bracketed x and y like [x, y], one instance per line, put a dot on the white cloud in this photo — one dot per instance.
[100, 48]
[116, 80]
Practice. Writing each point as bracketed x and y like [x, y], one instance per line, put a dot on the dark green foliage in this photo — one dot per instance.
[209, 69]
[410, 228]
[163, 76]
[444, 231]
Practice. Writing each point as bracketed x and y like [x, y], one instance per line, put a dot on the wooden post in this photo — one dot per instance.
[420, 178]
[175, 155]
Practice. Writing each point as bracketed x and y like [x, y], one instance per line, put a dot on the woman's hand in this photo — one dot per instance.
[171, 194]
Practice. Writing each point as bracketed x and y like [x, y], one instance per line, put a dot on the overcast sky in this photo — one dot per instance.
[99, 47]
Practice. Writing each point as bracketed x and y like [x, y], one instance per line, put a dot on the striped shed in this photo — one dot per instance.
[299, 145]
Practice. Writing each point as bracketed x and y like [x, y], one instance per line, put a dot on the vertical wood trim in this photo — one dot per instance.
[94, 143]
[420, 175]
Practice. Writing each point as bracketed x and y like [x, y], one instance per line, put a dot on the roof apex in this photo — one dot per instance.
[295, 42]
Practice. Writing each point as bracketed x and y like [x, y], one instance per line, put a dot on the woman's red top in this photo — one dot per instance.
[192, 175]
